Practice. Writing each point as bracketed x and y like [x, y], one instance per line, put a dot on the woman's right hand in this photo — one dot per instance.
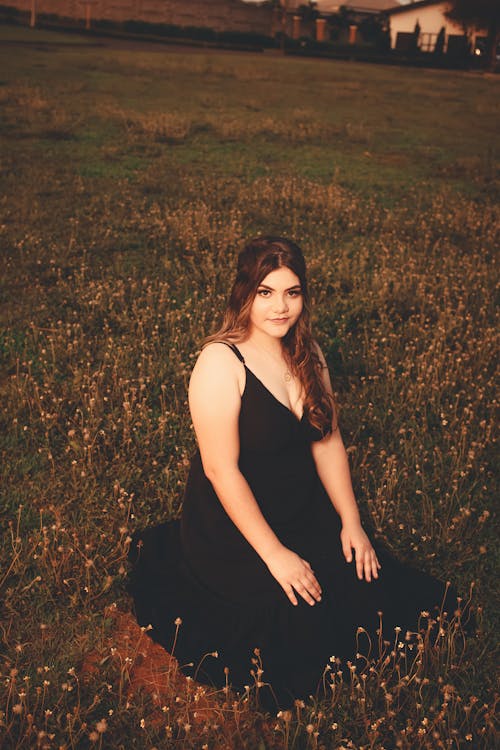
[294, 575]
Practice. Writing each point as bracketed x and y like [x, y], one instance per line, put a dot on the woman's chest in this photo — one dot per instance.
[283, 387]
[266, 424]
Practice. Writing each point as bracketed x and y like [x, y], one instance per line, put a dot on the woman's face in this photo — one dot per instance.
[278, 303]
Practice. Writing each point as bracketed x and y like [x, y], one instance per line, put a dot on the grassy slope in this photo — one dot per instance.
[130, 179]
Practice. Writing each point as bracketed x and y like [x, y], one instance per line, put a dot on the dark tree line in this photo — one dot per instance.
[482, 13]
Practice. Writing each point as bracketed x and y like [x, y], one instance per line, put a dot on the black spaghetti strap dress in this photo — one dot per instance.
[212, 601]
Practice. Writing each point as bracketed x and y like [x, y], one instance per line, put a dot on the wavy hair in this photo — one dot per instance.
[258, 258]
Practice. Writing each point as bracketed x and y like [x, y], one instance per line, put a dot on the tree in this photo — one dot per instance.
[416, 38]
[482, 14]
[374, 30]
[439, 46]
[308, 11]
[339, 22]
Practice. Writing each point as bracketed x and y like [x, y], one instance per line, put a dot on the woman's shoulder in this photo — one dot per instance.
[218, 352]
[217, 368]
[217, 381]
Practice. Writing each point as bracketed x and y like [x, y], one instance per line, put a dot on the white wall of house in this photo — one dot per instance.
[431, 19]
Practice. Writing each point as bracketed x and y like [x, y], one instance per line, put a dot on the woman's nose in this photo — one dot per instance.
[281, 304]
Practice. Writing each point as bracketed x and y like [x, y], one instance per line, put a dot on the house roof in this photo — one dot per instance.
[411, 6]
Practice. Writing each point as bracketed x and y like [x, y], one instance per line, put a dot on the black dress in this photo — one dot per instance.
[203, 571]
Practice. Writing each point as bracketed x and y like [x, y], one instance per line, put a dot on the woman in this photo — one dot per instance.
[269, 572]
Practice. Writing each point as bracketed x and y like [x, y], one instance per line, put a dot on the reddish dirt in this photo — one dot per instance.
[148, 667]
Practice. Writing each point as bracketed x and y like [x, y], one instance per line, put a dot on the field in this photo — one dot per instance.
[131, 175]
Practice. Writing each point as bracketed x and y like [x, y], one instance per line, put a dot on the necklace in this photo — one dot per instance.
[287, 375]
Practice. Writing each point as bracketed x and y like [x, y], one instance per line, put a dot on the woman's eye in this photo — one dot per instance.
[267, 292]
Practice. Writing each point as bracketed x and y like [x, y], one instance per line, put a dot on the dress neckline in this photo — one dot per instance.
[259, 381]
[240, 356]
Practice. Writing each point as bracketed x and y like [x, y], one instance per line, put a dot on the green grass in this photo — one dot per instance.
[42, 36]
[130, 179]
[364, 124]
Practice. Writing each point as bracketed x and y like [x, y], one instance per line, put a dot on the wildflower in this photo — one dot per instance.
[101, 726]
[17, 708]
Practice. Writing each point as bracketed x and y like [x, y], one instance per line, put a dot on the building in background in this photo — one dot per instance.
[332, 20]
[424, 25]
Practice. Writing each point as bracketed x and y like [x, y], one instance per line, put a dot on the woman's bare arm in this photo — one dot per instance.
[332, 465]
[214, 401]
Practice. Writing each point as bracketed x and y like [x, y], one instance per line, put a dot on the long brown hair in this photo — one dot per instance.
[258, 258]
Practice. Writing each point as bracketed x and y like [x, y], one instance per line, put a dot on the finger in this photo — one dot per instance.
[307, 590]
[346, 549]
[368, 567]
[311, 576]
[359, 567]
[375, 565]
[309, 571]
[304, 593]
[313, 589]
[312, 582]
[290, 593]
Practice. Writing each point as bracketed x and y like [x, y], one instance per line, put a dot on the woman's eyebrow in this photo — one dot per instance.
[265, 286]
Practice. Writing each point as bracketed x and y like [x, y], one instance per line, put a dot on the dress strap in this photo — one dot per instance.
[235, 350]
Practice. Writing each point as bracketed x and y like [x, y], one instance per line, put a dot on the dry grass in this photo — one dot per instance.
[110, 283]
[28, 112]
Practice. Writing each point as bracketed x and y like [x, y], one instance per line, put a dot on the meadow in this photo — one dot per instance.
[131, 175]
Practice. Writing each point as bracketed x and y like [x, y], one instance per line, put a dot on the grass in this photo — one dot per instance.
[129, 181]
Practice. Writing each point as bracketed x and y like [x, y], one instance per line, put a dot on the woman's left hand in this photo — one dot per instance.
[354, 538]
